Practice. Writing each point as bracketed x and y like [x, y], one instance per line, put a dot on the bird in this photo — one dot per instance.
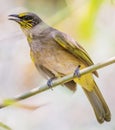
[56, 54]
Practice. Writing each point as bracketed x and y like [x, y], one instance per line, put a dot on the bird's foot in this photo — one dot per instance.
[49, 82]
[76, 73]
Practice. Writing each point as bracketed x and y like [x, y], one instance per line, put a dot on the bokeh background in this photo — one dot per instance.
[92, 24]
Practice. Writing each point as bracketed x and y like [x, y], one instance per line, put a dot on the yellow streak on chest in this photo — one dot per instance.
[29, 38]
[32, 56]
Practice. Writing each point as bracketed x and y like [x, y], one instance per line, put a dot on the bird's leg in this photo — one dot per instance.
[49, 82]
[76, 73]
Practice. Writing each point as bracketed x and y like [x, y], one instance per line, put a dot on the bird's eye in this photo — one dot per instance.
[27, 17]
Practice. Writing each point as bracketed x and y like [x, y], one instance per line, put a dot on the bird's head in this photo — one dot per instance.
[26, 20]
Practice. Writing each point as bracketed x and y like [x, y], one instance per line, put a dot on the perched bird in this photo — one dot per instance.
[56, 54]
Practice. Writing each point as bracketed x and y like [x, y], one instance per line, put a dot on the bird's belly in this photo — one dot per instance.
[59, 61]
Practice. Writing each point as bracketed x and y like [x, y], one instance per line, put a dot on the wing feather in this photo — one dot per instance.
[73, 47]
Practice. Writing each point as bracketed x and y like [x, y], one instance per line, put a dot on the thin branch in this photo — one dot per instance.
[62, 80]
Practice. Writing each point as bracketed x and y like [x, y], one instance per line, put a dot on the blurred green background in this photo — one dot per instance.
[92, 24]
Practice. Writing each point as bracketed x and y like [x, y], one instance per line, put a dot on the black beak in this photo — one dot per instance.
[14, 17]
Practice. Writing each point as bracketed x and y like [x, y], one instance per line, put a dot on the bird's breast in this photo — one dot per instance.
[54, 57]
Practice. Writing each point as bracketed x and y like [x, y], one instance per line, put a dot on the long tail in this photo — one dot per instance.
[98, 103]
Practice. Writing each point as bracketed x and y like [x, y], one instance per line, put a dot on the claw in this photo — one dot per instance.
[76, 73]
[49, 82]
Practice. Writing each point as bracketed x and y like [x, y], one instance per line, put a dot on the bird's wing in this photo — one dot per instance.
[73, 47]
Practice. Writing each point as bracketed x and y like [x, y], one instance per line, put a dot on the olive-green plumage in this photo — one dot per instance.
[56, 54]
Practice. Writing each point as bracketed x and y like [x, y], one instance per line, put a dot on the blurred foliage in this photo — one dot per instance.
[86, 26]
[43, 6]
[113, 1]
[8, 102]
[4, 126]
[54, 10]
[58, 10]
[15, 103]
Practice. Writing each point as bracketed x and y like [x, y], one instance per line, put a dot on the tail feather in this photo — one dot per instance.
[99, 105]
[105, 106]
